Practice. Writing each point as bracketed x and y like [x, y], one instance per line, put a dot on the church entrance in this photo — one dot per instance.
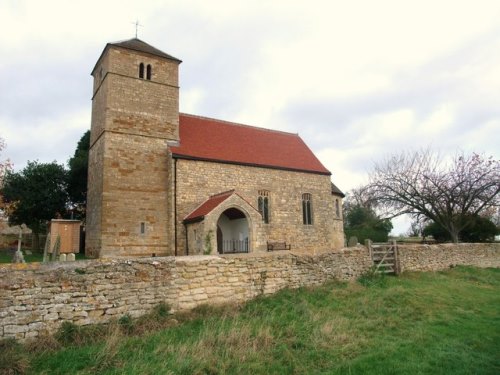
[232, 232]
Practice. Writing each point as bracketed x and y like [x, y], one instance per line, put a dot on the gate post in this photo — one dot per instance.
[394, 245]
[368, 244]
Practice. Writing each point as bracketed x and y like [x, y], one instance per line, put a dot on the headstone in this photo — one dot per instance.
[353, 241]
[18, 257]
[70, 257]
[62, 258]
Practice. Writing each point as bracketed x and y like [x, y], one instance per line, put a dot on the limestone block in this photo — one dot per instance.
[95, 313]
[116, 310]
[31, 334]
[10, 330]
[51, 316]
[36, 326]
[200, 297]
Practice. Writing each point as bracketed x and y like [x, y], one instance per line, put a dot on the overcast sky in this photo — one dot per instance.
[358, 80]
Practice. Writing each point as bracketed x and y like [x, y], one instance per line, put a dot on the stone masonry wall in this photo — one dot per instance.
[442, 256]
[198, 180]
[38, 297]
[132, 121]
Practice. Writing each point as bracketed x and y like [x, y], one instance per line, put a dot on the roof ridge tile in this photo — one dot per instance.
[238, 124]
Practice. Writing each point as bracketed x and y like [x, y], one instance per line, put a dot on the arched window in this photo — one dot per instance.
[337, 208]
[148, 72]
[141, 70]
[307, 208]
[263, 205]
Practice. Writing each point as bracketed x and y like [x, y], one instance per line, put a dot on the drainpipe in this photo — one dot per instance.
[186, 231]
[175, 205]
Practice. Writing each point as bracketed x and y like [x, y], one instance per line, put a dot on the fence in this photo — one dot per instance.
[235, 246]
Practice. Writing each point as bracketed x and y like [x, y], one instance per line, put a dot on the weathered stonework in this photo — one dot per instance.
[138, 194]
[132, 121]
[442, 256]
[197, 180]
[38, 297]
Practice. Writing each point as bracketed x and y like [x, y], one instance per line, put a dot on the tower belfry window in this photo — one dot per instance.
[141, 70]
[148, 72]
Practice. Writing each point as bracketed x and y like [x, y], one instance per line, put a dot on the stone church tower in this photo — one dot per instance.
[135, 115]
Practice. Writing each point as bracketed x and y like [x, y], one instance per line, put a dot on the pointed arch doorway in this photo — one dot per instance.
[232, 232]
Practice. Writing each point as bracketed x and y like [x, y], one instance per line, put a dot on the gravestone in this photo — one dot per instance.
[353, 241]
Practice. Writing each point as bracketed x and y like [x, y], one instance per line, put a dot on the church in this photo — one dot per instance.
[164, 183]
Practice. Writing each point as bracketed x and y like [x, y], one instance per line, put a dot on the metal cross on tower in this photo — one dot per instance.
[137, 24]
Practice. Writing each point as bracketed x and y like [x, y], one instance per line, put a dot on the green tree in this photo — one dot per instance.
[77, 176]
[37, 194]
[477, 229]
[361, 220]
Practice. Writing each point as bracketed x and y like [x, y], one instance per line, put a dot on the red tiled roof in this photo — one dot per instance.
[215, 140]
[206, 207]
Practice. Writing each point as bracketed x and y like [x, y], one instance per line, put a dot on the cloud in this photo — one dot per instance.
[356, 80]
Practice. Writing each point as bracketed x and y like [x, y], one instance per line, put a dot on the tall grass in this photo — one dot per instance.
[418, 323]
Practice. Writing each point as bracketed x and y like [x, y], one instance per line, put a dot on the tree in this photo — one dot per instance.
[422, 185]
[5, 167]
[361, 220]
[77, 176]
[478, 229]
[37, 194]
[416, 228]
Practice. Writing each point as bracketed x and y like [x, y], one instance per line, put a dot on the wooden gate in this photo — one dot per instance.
[385, 257]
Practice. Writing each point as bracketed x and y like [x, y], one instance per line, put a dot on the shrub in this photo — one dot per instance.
[373, 278]
[13, 359]
[67, 333]
[126, 323]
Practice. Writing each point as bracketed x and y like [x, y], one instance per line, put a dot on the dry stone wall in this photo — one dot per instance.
[442, 256]
[35, 298]
[39, 297]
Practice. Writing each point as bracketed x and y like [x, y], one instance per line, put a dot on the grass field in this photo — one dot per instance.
[418, 323]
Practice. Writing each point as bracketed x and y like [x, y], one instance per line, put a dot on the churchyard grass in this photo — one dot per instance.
[418, 323]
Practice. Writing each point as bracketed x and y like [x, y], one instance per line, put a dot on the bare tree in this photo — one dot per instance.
[5, 166]
[423, 185]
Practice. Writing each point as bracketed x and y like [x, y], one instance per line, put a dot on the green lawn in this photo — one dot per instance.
[418, 323]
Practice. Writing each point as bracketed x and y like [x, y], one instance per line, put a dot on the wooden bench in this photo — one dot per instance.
[271, 246]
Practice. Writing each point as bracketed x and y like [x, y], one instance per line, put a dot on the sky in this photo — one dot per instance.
[358, 80]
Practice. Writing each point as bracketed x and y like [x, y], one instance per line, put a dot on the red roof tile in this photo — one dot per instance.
[215, 140]
[206, 207]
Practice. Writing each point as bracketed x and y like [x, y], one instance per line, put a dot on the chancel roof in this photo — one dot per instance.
[208, 139]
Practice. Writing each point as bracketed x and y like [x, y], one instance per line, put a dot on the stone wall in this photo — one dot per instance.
[442, 256]
[38, 297]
